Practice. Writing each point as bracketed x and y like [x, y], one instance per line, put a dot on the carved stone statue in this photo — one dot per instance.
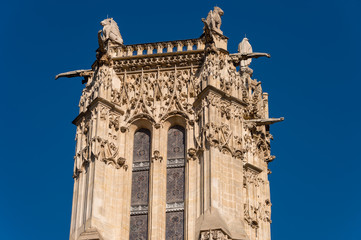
[110, 31]
[245, 48]
[214, 20]
[245, 54]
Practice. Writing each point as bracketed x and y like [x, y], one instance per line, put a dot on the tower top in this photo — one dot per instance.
[173, 141]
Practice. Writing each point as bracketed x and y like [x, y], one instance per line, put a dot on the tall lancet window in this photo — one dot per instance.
[140, 186]
[175, 183]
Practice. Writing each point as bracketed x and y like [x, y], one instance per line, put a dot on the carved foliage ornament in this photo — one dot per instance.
[99, 84]
[221, 136]
[107, 152]
[258, 142]
[192, 154]
[156, 94]
[251, 177]
[255, 210]
[157, 156]
[261, 211]
[114, 122]
[82, 157]
[219, 71]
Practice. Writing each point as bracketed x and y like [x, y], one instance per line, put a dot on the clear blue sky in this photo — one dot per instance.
[313, 80]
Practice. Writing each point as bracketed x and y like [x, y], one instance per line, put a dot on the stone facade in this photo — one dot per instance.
[194, 84]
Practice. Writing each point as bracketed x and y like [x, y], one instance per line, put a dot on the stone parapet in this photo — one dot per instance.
[159, 48]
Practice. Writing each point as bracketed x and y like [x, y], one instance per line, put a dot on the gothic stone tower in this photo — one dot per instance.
[172, 141]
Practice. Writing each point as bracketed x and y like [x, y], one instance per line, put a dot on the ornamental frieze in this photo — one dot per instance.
[153, 62]
[156, 94]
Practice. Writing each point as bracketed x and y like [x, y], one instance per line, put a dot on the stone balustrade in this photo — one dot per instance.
[157, 48]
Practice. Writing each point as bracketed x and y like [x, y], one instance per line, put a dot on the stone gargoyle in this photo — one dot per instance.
[214, 20]
[110, 31]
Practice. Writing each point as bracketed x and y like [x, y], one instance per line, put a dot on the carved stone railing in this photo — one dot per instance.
[157, 48]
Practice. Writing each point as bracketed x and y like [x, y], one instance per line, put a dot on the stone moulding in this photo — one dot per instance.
[253, 167]
[90, 234]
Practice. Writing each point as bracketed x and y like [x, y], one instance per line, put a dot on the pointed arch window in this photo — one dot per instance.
[140, 186]
[175, 183]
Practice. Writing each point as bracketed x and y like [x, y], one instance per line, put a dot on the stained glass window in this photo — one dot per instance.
[175, 183]
[174, 225]
[140, 186]
[139, 227]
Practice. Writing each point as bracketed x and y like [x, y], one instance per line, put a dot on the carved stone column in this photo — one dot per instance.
[158, 185]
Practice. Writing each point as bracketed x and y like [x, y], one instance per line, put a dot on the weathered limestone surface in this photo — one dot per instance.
[193, 83]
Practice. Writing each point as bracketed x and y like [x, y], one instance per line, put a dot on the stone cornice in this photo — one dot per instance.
[193, 40]
[154, 61]
[253, 167]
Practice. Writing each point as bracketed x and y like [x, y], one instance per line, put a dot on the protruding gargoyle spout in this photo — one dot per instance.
[77, 73]
[214, 20]
[245, 54]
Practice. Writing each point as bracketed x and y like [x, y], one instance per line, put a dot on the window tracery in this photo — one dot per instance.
[175, 183]
[140, 186]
